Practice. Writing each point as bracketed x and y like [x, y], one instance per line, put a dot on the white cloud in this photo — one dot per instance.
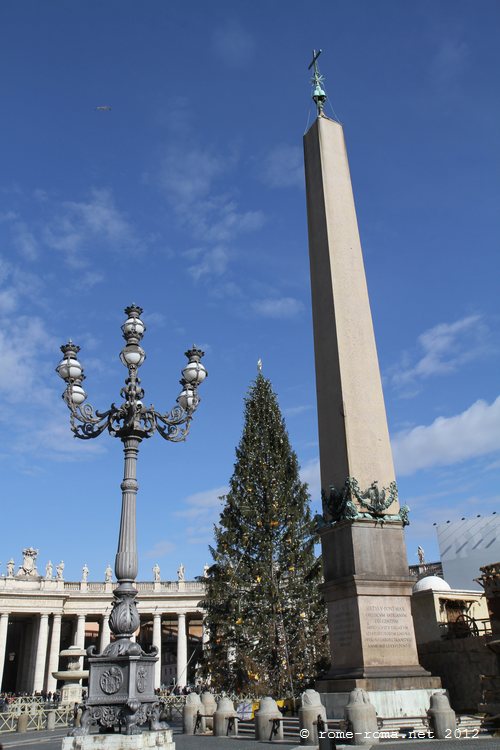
[442, 350]
[200, 534]
[156, 319]
[212, 262]
[310, 473]
[278, 307]
[91, 278]
[233, 44]
[203, 510]
[31, 401]
[449, 61]
[7, 216]
[54, 439]
[232, 222]
[225, 290]
[177, 115]
[211, 218]
[18, 286]
[80, 226]
[189, 175]
[204, 502]
[294, 411]
[449, 440]
[8, 300]
[24, 344]
[25, 242]
[283, 167]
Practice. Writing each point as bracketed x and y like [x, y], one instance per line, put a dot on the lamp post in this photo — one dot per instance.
[121, 682]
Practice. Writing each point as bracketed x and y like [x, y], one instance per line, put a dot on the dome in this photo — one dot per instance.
[434, 583]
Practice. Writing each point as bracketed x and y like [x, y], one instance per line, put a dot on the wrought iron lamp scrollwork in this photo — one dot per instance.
[131, 415]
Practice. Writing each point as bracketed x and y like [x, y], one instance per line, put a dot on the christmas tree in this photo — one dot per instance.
[265, 618]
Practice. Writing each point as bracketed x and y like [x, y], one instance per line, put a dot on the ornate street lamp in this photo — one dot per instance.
[121, 682]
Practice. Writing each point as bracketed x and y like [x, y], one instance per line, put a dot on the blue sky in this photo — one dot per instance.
[187, 197]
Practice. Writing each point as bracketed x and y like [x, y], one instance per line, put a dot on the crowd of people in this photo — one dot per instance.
[6, 699]
[182, 690]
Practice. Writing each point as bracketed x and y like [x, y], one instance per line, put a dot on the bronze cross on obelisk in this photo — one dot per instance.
[319, 95]
[316, 54]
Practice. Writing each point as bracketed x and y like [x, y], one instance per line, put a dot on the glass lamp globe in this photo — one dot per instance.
[69, 368]
[77, 394]
[194, 373]
[133, 325]
[187, 399]
[133, 355]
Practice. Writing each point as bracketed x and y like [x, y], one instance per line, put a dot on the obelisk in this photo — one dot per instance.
[367, 586]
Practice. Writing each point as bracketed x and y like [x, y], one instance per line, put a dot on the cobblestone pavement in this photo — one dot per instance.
[52, 741]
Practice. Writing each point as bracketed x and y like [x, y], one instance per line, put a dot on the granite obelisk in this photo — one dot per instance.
[367, 585]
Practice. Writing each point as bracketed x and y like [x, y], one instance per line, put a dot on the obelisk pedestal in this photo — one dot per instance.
[372, 639]
[367, 585]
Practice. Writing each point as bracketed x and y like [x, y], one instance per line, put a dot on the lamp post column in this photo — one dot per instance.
[124, 619]
[126, 556]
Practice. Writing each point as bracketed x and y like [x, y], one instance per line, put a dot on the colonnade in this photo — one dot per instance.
[4, 624]
[46, 651]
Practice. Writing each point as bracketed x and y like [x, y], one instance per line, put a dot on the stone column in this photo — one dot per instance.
[105, 633]
[4, 623]
[157, 643]
[80, 632]
[41, 653]
[205, 635]
[27, 656]
[181, 649]
[80, 637]
[55, 647]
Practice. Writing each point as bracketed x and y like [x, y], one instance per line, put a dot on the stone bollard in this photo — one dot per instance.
[209, 708]
[51, 720]
[268, 710]
[308, 716]
[191, 707]
[225, 711]
[362, 717]
[442, 716]
[22, 722]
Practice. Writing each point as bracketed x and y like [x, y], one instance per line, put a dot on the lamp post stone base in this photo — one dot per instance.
[115, 680]
[160, 739]
[121, 695]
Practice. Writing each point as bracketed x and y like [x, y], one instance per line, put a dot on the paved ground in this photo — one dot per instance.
[52, 741]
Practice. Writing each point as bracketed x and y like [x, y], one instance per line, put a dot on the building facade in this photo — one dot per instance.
[41, 615]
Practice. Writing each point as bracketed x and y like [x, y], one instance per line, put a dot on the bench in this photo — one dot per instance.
[199, 720]
[275, 726]
[230, 724]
